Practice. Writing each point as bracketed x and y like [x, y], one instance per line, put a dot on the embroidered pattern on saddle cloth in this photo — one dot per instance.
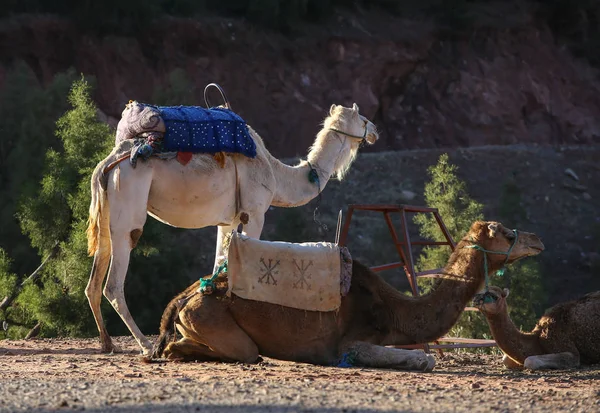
[308, 276]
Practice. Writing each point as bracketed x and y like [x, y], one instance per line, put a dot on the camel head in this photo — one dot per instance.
[352, 124]
[503, 245]
[492, 301]
[348, 127]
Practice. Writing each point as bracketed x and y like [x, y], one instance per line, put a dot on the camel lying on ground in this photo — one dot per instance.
[566, 336]
[200, 194]
[371, 316]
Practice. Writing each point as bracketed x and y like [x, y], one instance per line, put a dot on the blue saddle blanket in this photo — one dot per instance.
[195, 129]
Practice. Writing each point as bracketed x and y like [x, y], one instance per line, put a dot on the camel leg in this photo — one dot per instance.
[114, 290]
[510, 363]
[371, 355]
[253, 229]
[93, 292]
[127, 218]
[210, 333]
[187, 349]
[565, 360]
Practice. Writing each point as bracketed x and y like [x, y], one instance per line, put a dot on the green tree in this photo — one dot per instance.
[527, 295]
[446, 192]
[57, 215]
[55, 219]
[27, 127]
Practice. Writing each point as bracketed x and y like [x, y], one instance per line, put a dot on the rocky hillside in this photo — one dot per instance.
[501, 84]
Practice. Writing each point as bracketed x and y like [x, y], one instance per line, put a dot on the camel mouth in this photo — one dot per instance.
[480, 299]
[372, 138]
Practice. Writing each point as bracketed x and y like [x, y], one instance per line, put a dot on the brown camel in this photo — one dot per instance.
[372, 315]
[566, 336]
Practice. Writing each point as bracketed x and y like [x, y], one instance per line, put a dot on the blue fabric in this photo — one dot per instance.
[195, 129]
[347, 360]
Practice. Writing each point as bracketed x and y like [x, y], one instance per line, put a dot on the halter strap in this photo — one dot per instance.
[362, 138]
[499, 272]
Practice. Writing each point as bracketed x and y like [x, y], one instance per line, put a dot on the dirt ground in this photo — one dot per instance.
[54, 374]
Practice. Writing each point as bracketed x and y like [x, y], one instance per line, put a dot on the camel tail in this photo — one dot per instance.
[99, 214]
[169, 318]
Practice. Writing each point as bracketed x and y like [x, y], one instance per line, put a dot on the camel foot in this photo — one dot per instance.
[111, 348]
[107, 346]
[430, 363]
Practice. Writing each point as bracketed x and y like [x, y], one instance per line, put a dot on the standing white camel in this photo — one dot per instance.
[200, 194]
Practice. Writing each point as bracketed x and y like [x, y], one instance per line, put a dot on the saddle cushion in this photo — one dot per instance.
[308, 276]
[186, 129]
[195, 129]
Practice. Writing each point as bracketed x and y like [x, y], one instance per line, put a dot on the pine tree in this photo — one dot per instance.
[57, 216]
[449, 195]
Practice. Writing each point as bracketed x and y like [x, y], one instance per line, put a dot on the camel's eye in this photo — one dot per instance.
[510, 234]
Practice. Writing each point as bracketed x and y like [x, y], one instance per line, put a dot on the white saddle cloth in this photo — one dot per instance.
[304, 276]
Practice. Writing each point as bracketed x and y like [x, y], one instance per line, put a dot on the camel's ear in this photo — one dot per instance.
[332, 109]
[493, 227]
[505, 292]
[355, 107]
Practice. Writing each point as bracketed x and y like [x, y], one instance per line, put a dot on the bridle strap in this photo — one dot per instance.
[361, 138]
[502, 270]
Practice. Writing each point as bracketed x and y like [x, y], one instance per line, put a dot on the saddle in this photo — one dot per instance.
[183, 129]
[309, 276]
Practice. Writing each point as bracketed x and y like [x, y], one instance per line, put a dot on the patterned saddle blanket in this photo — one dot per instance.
[184, 129]
[308, 276]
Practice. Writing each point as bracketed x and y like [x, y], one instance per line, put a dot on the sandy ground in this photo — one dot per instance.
[55, 374]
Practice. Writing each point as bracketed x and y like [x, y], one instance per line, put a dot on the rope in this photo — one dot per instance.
[207, 285]
[488, 298]
[313, 178]
[362, 138]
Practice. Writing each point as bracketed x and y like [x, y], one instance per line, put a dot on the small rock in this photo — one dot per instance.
[475, 385]
[587, 196]
[571, 173]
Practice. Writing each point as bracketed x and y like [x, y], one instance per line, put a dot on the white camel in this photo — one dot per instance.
[200, 194]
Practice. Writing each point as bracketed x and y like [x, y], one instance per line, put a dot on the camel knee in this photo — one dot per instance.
[248, 355]
[135, 237]
[114, 294]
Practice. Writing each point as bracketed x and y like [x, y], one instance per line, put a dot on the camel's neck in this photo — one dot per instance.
[428, 317]
[512, 341]
[294, 186]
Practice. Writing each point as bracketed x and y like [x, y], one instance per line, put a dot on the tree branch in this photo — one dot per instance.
[8, 300]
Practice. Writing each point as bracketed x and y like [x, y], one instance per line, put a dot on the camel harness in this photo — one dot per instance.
[488, 298]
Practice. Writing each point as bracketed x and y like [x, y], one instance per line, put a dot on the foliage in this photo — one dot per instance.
[27, 126]
[449, 195]
[57, 214]
[527, 297]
